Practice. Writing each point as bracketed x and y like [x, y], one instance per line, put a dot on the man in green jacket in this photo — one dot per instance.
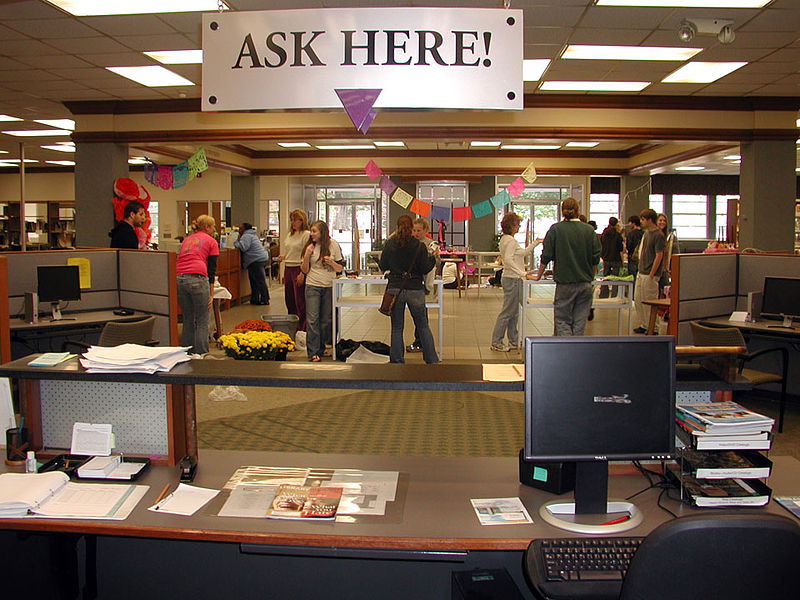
[575, 250]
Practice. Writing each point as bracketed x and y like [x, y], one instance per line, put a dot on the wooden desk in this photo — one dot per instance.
[428, 532]
[654, 305]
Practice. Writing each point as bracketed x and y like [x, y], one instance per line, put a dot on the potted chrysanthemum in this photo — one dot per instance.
[256, 345]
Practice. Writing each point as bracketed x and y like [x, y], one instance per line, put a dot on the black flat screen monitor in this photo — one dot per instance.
[781, 298]
[56, 283]
[595, 399]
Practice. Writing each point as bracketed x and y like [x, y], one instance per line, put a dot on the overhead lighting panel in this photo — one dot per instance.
[582, 144]
[390, 144]
[687, 3]
[177, 57]
[689, 168]
[629, 53]
[294, 144]
[9, 118]
[530, 147]
[702, 72]
[346, 147]
[60, 148]
[151, 76]
[38, 132]
[594, 86]
[57, 123]
[93, 8]
[532, 69]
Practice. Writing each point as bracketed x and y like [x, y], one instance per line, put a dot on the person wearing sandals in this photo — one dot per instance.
[320, 265]
[407, 260]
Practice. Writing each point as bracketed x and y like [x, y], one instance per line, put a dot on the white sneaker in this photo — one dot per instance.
[499, 348]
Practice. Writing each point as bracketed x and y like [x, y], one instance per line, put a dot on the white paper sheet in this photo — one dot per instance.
[186, 500]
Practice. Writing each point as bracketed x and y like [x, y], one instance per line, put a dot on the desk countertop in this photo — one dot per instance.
[761, 327]
[72, 320]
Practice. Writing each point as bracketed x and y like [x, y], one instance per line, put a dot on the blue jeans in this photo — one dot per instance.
[259, 292]
[415, 299]
[318, 318]
[193, 295]
[508, 319]
[571, 308]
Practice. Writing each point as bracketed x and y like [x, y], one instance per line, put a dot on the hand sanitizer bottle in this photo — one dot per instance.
[30, 462]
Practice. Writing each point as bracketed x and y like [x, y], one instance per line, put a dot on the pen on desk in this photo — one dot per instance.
[520, 373]
[161, 495]
[618, 520]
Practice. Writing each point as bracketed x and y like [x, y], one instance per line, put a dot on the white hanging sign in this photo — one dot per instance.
[463, 58]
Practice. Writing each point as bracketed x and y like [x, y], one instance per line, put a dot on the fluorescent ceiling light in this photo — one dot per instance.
[390, 144]
[484, 144]
[532, 69]
[732, 157]
[530, 147]
[702, 72]
[138, 160]
[582, 144]
[38, 132]
[629, 53]
[594, 86]
[689, 168]
[57, 123]
[177, 57]
[15, 161]
[294, 144]
[60, 148]
[65, 163]
[3, 151]
[151, 76]
[9, 118]
[347, 147]
[89, 8]
[687, 3]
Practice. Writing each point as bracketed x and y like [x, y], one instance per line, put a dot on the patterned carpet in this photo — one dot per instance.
[378, 422]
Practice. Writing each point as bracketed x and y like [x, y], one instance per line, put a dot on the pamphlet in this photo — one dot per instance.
[50, 359]
[790, 503]
[185, 500]
[91, 439]
[305, 502]
[500, 511]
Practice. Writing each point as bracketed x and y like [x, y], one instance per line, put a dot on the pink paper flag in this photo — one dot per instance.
[372, 170]
[462, 213]
[516, 187]
[387, 185]
[165, 177]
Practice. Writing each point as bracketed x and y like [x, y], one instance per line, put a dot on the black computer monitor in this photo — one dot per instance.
[781, 299]
[595, 399]
[56, 283]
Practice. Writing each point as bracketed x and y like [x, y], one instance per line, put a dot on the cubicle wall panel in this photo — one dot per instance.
[144, 302]
[136, 411]
[706, 276]
[146, 272]
[161, 331]
[754, 267]
[693, 310]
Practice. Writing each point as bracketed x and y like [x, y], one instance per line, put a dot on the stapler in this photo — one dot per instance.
[188, 466]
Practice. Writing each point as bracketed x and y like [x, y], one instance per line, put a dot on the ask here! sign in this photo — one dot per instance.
[417, 57]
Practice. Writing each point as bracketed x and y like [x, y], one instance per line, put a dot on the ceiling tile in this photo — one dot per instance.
[52, 28]
[93, 74]
[30, 9]
[771, 20]
[121, 25]
[545, 35]
[760, 39]
[26, 75]
[26, 47]
[627, 17]
[58, 61]
[175, 41]
[790, 55]
[92, 45]
[183, 22]
[7, 64]
[41, 85]
[729, 89]
[119, 59]
[608, 37]
[552, 16]
[10, 34]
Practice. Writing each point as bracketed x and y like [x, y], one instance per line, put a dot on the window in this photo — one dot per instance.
[657, 202]
[449, 196]
[689, 216]
[721, 216]
[153, 210]
[602, 207]
[274, 218]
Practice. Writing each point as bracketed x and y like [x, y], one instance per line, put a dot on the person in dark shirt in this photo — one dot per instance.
[124, 235]
[611, 253]
[632, 239]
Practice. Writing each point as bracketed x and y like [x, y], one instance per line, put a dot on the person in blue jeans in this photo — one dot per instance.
[407, 261]
[255, 260]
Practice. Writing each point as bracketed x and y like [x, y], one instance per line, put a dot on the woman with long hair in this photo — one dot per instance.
[320, 265]
[292, 255]
[407, 260]
[196, 266]
[670, 247]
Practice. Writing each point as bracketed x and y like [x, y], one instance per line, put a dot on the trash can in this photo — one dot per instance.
[285, 323]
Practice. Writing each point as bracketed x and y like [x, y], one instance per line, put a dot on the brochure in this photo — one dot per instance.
[500, 511]
[305, 502]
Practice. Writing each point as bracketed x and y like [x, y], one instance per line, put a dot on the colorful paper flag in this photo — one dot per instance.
[500, 199]
[358, 106]
[372, 170]
[440, 213]
[180, 174]
[402, 197]
[462, 213]
[165, 177]
[387, 185]
[418, 207]
[481, 209]
[515, 187]
[150, 172]
[529, 174]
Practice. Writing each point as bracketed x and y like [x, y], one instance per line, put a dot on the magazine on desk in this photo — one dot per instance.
[691, 438]
[725, 464]
[718, 493]
[720, 417]
[300, 502]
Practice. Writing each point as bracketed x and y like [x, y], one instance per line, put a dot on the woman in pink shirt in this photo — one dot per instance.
[196, 266]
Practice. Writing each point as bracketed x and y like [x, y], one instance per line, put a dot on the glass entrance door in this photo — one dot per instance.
[351, 225]
[537, 218]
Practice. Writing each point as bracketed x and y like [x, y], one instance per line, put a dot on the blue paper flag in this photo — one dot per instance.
[440, 213]
[481, 209]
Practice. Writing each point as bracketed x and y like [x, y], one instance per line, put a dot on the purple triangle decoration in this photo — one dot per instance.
[358, 105]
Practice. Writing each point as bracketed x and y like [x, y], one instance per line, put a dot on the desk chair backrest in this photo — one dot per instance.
[723, 556]
[716, 336]
[116, 333]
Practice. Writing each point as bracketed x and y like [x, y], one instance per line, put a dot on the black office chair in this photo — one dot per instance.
[731, 336]
[116, 333]
[728, 556]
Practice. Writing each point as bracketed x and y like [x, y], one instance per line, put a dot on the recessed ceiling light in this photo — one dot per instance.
[60, 148]
[90, 8]
[689, 168]
[582, 144]
[347, 147]
[702, 72]
[732, 157]
[390, 144]
[530, 147]
[138, 160]
[629, 52]
[177, 57]
[3, 151]
[294, 144]
[65, 163]
[15, 161]
[57, 123]
[9, 118]
[687, 3]
[532, 69]
[484, 144]
[38, 132]
[594, 86]
[151, 76]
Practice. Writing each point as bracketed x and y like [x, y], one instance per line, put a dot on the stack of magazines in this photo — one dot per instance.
[722, 426]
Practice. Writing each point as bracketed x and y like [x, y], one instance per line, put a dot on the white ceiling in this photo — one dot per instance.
[48, 56]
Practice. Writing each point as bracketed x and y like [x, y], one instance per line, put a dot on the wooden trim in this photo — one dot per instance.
[674, 294]
[176, 423]
[172, 297]
[646, 168]
[441, 154]
[182, 155]
[440, 172]
[5, 325]
[32, 409]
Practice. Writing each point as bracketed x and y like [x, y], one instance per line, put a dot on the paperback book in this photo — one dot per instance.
[305, 502]
[725, 464]
[724, 492]
[719, 417]
[700, 440]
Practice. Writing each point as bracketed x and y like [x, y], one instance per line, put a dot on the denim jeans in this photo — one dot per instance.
[318, 318]
[193, 295]
[508, 319]
[415, 299]
[571, 308]
[259, 293]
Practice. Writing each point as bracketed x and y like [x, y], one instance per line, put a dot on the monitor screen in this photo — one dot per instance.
[599, 398]
[61, 282]
[781, 297]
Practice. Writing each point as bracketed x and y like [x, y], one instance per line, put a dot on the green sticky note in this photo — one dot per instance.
[539, 474]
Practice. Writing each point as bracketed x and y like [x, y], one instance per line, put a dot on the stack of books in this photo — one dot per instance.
[720, 465]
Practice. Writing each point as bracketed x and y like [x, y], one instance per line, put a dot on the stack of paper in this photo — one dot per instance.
[99, 466]
[132, 358]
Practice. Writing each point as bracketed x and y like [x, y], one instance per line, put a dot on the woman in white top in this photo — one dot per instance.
[320, 264]
[513, 259]
[292, 256]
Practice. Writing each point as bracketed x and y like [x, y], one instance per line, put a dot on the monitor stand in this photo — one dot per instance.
[55, 307]
[591, 511]
[786, 324]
